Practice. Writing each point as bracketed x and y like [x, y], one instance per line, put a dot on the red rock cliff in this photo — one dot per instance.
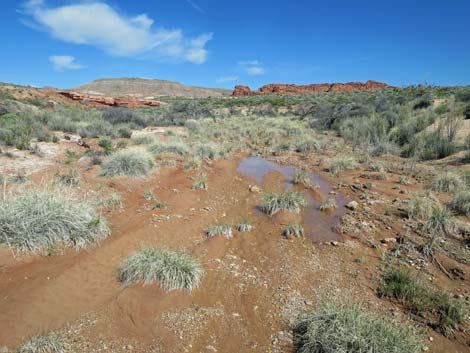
[102, 101]
[277, 88]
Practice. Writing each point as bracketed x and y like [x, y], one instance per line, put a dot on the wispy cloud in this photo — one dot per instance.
[64, 62]
[99, 25]
[196, 6]
[225, 79]
[252, 67]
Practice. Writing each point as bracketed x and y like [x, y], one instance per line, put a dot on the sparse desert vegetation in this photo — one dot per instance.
[388, 166]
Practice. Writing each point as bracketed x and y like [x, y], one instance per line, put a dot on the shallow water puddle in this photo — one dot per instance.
[318, 225]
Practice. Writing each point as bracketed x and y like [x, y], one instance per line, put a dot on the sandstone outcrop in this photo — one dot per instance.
[275, 88]
[103, 101]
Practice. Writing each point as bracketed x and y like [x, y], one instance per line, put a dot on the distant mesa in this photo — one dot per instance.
[104, 101]
[280, 88]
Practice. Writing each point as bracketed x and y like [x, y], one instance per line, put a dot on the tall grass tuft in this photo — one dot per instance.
[49, 343]
[171, 146]
[421, 208]
[201, 182]
[329, 204]
[337, 328]
[293, 230]
[291, 201]
[130, 162]
[42, 219]
[171, 269]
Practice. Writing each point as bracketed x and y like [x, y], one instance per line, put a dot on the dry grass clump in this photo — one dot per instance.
[447, 182]
[329, 204]
[461, 203]
[291, 201]
[201, 182]
[293, 230]
[337, 328]
[130, 162]
[244, 226]
[48, 343]
[437, 307]
[42, 219]
[219, 229]
[171, 269]
[170, 146]
[421, 207]
[339, 164]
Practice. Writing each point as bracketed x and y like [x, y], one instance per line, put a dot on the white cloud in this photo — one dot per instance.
[64, 62]
[225, 79]
[99, 25]
[252, 67]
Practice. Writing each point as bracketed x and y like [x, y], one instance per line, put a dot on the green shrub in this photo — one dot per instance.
[144, 139]
[293, 230]
[337, 328]
[124, 132]
[71, 178]
[301, 177]
[291, 201]
[219, 229]
[442, 311]
[206, 150]
[448, 182]
[461, 203]
[339, 164]
[421, 208]
[42, 219]
[193, 125]
[171, 269]
[192, 163]
[48, 343]
[106, 143]
[122, 115]
[130, 162]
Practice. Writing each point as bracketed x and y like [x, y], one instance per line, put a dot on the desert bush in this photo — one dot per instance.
[70, 178]
[293, 230]
[339, 328]
[122, 115]
[143, 139]
[171, 146]
[113, 201]
[421, 208]
[168, 162]
[124, 132]
[106, 143]
[171, 269]
[328, 205]
[206, 150]
[447, 182]
[95, 129]
[193, 125]
[48, 343]
[42, 219]
[339, 164]
[192, 163]
[219, 229]
[461, 203]
[306, 145]
[291, 201]
[440, 223]
[130, 162]
[201, 182]
[443, 311]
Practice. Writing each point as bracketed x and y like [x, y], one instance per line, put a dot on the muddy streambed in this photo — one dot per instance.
[318, 225]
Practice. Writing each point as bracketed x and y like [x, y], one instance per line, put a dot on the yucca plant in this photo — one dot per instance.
[171, 269]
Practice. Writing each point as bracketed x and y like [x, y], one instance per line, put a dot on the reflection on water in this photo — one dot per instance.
[318, 225]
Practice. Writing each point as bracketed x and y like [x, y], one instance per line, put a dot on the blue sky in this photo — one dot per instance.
[221, 43]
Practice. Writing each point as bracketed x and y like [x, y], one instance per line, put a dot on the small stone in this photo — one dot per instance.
[254, 188]
[431, 338]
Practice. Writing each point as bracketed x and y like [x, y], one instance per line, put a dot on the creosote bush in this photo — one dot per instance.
[438, 307]
[39, 220]
[171, 269]
[339, 328]
[291, 201]
[48, 343]
[130, 162]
